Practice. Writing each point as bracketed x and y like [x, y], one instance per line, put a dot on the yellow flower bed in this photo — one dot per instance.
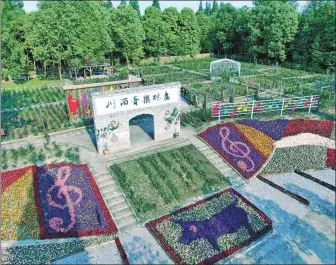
[260, 140]
[19, 219]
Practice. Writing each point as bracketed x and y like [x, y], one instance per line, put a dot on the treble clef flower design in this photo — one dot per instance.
[237, 149]
[62, 176]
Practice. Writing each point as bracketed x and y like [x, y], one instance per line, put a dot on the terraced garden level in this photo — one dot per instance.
[159, 183]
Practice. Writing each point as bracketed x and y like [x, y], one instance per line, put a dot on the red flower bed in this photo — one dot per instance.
[320, 127]
[331, 157]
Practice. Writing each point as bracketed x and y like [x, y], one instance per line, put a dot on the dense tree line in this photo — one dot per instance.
[64, 34]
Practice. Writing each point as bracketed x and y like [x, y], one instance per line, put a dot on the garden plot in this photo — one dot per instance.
[161, 182]
[183, 77]
[53, 153]
[19, 98]
[32, 121]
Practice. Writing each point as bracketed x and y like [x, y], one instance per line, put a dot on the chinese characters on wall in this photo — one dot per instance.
[144, 99]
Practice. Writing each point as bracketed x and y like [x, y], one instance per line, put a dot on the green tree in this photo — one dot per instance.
[204, 25]
[273, 25]
[171, 34]
[72, 35]
[156, 4]
[154, 26]
[207, 9]
[107, 4]
[200, 8]
[241, 31]
[122, 3]
[135, 5]
[224, 21]
[127, 32]
[189, 33]
[215, 6]
[13, 47]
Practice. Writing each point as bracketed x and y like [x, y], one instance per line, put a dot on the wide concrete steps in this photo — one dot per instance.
[116, 202]
[145, 150]
[218, 162]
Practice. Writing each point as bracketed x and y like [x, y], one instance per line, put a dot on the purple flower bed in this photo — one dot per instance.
[210, 229]
[69, 202]
[235, 148]
[273, 128]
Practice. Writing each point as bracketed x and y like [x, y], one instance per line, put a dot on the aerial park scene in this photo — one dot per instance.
[168, 132]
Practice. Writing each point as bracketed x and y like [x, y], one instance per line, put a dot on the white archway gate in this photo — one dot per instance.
[114, 110]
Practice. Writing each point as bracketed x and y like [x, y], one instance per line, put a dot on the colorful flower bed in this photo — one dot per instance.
[60, 200]
[246, 144]
[19, 219]
[210, 229]
[235, 148]
[319, 127]
[331, 157]
[304, 157]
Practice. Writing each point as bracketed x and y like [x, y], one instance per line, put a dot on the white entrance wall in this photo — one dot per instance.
[112, 111]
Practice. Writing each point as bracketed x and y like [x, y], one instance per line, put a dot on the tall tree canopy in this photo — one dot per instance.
[68, 34]
[135, 5]
[156, 4]
[154, 28]
[14, 59]
[127, 32]
[273, 25]
[189, 32]
[215, 6]
[200, 8]
[171, 18]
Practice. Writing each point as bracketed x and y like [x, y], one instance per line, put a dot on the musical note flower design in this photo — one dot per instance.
[70, 203]
[63, 191]
[235, 148]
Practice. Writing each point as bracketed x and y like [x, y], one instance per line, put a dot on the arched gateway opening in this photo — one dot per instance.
[141, 129]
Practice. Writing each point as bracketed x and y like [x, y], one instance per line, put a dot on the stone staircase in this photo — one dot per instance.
[145, 150]
[218, 162]
[116, 202]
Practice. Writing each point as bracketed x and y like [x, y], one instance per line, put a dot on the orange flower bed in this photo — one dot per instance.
[261, 141]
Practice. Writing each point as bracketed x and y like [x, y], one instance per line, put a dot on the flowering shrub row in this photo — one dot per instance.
[247, 144]
[60, 200]
[210, 229]
[43, 253]
[301, 157]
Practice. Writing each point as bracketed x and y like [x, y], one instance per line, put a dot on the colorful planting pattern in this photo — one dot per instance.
[60, 200]
[210, 229]
[247, 144]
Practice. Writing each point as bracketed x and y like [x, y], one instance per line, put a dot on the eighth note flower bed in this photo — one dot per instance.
[211, 229]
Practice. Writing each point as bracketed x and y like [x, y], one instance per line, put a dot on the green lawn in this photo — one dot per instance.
[162, 182]
[32, 83]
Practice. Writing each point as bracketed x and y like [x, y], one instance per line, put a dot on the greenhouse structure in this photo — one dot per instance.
[218, 67]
